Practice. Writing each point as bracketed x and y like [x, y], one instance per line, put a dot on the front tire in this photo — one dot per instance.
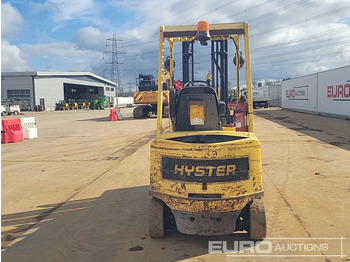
[156, 218]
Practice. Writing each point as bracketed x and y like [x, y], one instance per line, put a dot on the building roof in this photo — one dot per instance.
[59, 74]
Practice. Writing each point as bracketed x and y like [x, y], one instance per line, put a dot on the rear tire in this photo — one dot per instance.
[156, 218]
[146, 111]
[257, 220]
[141, 111]
[166, 112]
[137, 112]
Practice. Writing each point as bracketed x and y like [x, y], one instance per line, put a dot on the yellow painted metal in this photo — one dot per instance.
[227, 128]
[234, 195]
[150, 97]
[181, 39]
[248, 78]
[160, 81]
[213, 27]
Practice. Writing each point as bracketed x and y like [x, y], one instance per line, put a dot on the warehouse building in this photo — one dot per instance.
[273, 91]
[45, 89]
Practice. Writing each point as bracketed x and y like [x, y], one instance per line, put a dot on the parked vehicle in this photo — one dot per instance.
[100, 103]
[7, 108]
[72, 104]
[62, 105]
[3, 111]
[259, 100]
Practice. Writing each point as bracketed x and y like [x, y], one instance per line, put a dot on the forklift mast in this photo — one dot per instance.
[219, 69]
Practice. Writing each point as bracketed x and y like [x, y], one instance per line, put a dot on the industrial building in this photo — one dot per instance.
[273, 91]
[45, 89]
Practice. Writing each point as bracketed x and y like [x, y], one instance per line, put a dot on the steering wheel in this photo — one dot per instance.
[191, 83]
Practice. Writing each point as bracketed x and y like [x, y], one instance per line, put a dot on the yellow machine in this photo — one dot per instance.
[72, 104]
[81, 104]
[205, 174]
[146, 96]
[62, 105]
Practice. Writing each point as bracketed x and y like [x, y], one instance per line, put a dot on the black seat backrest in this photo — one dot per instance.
[197, 95]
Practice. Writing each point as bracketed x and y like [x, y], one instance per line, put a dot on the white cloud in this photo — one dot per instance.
[11, 20]
[60, 56]
[286, 39]
[12, 58]
[67, 9]
[91, 38]
[346, 53]
[63, 11]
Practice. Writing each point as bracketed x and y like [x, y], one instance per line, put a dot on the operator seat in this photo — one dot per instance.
[201, 95]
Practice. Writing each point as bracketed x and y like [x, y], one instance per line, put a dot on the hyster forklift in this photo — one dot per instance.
[206, 171]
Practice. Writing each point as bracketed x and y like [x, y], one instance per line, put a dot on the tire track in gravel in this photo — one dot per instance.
[117, 156]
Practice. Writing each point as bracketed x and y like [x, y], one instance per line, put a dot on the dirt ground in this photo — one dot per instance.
[79, 192]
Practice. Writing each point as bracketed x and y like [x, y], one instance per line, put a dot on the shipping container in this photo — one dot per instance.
[324, 93]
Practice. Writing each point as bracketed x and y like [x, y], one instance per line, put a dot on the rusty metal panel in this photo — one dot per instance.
[206, 225]
[234, 194]
[149, 97]
[194, 170]
[187, 204]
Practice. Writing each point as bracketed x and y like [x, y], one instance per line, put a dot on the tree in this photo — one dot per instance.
[267, 82]
[255, 83]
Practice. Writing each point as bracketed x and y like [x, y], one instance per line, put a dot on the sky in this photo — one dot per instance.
[288, 38]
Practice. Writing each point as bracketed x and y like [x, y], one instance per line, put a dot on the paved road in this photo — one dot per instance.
[79, 192]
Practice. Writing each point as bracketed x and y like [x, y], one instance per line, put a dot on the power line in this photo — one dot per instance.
[204, 14]
[293, 24]
[153, 53]
[312, 48]
[328, 32]
[295, 60]
[278, 10]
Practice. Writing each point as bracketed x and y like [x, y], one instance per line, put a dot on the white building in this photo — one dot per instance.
[31, 89]
[273, 91]
[323, 93]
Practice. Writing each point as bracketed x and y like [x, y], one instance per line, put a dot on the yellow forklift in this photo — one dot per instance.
[206, 171]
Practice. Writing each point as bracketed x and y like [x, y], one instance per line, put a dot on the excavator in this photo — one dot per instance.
[146, 96]
[205, 169]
